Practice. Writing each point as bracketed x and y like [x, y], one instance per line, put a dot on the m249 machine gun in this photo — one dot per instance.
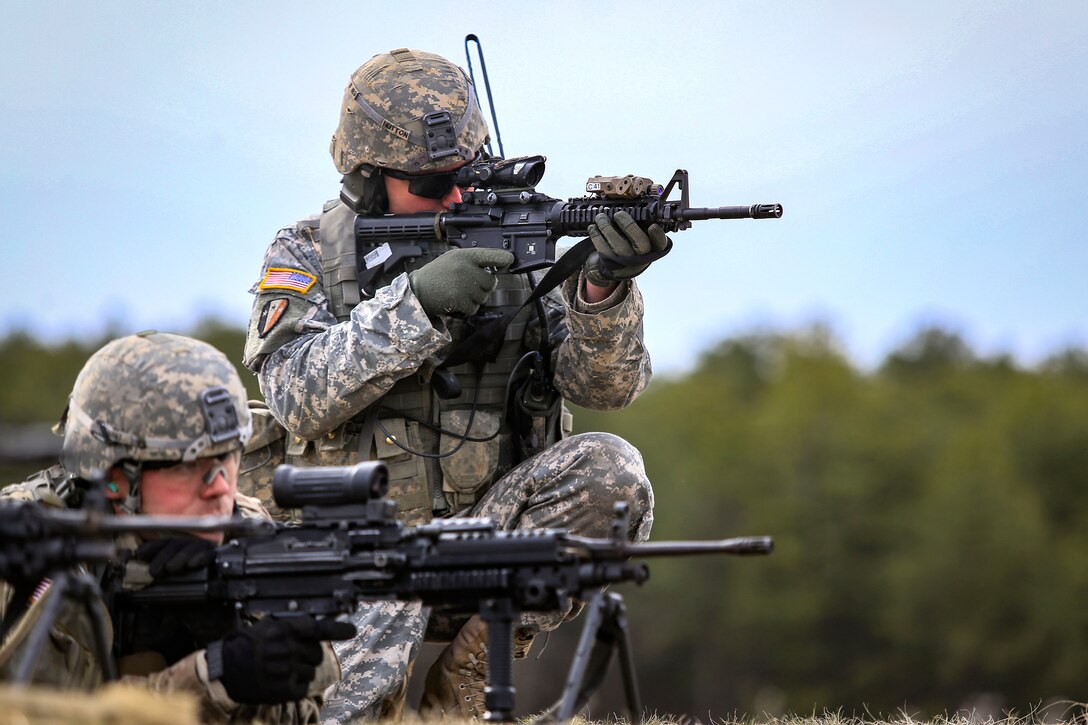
[349, 547]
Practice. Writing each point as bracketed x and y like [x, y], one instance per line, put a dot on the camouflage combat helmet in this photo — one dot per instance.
[408, 110]
[153, 397]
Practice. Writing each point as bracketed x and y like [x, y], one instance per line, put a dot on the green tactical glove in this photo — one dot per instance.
[621, 237]
[459, 281]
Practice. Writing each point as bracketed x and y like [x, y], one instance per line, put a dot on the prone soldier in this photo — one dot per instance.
[156, 424]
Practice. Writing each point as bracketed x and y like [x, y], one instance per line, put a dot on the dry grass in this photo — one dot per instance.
[117, 704]
[1072, 713]
[111, 705]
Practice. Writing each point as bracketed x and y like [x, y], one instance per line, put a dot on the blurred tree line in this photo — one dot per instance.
[931, 521]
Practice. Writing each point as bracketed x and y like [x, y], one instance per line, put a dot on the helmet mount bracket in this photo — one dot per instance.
[220, 417]
[441, 136]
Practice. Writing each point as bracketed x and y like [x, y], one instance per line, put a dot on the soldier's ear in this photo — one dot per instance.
[116, 486]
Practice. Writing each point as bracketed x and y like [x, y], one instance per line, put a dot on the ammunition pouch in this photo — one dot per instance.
[474, 464]
[407, 471]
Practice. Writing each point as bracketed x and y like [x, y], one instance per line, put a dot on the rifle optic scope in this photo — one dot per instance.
[514, 173]
[329, 485]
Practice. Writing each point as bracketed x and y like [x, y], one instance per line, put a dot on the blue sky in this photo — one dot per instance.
[932, 157]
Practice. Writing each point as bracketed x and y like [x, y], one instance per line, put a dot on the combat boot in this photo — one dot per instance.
[455, 683]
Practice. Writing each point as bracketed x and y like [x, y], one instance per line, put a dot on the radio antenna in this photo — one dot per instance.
[471, 37]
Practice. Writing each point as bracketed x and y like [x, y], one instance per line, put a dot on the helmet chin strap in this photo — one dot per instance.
[365, 192]
[133, 472]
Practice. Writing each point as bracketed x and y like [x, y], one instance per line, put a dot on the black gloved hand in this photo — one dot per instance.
[621, 237]
[274, 660]
[17, 569]
[459, 280]
[23, 560]
[175, 555]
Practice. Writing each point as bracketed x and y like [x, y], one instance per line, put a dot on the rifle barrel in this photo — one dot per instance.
[755, 211]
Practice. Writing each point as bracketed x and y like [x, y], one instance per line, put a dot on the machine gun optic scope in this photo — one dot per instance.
[329, 485]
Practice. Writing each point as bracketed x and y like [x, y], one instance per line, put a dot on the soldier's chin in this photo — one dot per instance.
[216, 537]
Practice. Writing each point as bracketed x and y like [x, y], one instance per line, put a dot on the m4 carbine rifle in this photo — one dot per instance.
[349, 547]
[505, 211]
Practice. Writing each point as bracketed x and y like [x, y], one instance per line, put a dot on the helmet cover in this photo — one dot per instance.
[408, 110]
[153, 397]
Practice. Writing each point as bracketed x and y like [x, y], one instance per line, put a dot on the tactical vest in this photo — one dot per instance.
[425, 487]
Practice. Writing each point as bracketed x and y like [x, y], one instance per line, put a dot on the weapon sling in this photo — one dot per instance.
[484, 343]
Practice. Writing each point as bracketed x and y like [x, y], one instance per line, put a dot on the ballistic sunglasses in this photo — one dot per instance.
[428, 186]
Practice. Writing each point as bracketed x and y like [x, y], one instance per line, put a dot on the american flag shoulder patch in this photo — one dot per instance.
[282, 278]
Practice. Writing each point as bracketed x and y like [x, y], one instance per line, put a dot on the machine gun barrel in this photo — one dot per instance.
[740, 546]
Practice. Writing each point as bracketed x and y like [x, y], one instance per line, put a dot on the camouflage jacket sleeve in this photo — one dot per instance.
[190, 674]
[602, 362]
[316, 372]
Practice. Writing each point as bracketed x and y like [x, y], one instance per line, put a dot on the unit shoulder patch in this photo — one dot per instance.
[295, 280]
[271, 313]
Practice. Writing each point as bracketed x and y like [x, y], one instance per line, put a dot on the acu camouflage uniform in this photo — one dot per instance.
[347, 375]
